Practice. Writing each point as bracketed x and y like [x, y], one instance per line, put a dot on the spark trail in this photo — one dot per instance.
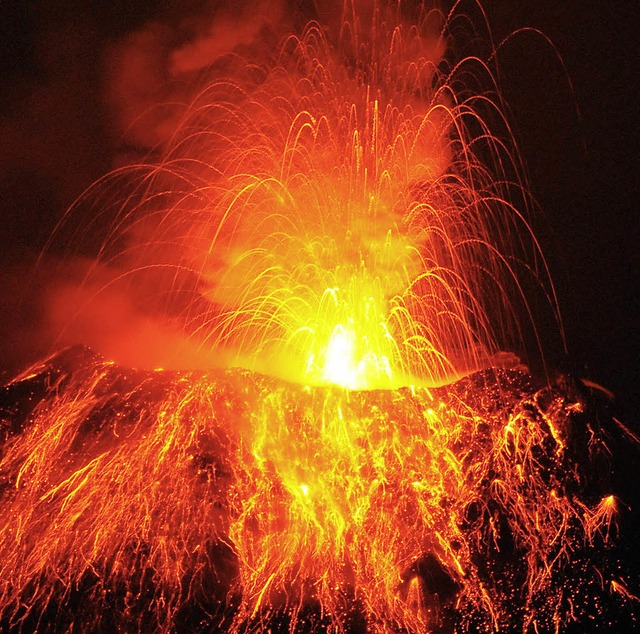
[338, 212]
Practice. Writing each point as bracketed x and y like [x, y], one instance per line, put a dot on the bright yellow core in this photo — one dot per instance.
[349, 364]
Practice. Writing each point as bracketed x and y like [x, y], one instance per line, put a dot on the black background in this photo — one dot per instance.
[581, 152]
[574, 106]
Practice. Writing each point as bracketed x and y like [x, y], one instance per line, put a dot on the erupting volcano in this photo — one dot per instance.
[331, 252]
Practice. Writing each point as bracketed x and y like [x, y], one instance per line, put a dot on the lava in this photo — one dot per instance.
[231, 500]
[337, 211]
[338, 227]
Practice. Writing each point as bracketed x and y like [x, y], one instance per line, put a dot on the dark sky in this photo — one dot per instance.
[584, 171]
[575, 110]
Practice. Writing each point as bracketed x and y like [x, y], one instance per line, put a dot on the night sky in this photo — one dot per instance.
[584, 172]
[575, 111]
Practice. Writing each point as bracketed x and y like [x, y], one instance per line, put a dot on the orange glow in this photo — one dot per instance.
[322, 217]
[270, 497]
[341, 220]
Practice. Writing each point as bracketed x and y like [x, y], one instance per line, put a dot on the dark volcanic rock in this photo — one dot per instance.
[531, 482]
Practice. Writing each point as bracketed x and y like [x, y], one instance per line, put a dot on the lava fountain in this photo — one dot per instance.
[342, 216]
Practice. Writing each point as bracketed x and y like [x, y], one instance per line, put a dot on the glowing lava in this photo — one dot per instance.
[339, 211]
[232, 501]
[343, 214]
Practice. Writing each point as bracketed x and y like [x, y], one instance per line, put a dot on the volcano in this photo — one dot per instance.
[291, 416]
[233, 501]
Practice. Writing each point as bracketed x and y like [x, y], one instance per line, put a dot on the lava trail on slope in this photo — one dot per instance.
[229, 500]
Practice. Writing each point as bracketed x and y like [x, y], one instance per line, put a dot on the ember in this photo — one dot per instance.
[232, 500]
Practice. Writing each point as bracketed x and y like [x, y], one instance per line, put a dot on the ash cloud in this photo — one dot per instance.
[151, 72]
[87, 89]
[105, 92]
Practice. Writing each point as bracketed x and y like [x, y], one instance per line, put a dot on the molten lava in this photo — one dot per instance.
[343, 218]
[228, 500]
[337, 211]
